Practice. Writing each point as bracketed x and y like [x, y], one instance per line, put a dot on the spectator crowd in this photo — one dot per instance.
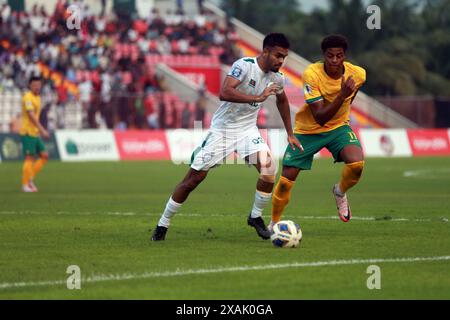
[103, 66]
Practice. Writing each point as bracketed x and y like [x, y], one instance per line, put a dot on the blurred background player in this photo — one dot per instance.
[249, 83]
[323, 122]
[30, 132]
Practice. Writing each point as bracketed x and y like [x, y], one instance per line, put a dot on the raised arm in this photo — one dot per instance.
[322, 114]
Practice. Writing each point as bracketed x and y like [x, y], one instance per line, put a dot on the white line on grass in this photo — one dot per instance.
[178, 272]
[87, 213]
[427, 173]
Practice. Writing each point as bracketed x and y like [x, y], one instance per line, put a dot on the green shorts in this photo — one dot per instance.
[334, 140]
[32, 146]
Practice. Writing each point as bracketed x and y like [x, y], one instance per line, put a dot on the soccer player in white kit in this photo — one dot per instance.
[233, 128]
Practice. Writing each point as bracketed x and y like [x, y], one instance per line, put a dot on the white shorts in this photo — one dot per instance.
[218, 145]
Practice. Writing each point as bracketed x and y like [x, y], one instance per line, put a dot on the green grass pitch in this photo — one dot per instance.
[99, 216]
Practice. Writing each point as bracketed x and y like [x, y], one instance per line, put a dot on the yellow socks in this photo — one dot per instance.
[350, 175]
[30, 169]
[280, 197]
[27, 171]
[282, 193]
[38, 165]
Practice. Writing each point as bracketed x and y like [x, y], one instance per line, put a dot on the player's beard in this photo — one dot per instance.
[275, 68]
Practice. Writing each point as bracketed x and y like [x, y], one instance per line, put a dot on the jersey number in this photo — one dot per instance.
[258, 140]
[352, 136]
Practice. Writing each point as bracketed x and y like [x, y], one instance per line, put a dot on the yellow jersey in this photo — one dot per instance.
[30, 102]
[317, 85]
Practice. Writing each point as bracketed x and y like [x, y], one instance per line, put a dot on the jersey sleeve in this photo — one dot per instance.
[27, 103]
[362, 77]
[311, 87]
[238, 70]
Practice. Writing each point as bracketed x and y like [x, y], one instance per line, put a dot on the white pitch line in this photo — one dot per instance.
[442, 219]
[427, 173]
[178, 272]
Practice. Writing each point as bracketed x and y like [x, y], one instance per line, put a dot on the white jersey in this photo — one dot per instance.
[243, 116]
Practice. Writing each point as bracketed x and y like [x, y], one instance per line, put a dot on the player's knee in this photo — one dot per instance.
[352, 157]
[357, 168]
[44, 156]
[268, 167]
[284, 187]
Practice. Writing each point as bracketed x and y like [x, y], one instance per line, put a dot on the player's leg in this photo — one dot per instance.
[293, 162]
[266, 167]
[27, 173]
[252, 147]
[40, 163]
[353, 158]
[282, 192]
[192, 179]
[29, 152]
[211, 152]
[346, 148]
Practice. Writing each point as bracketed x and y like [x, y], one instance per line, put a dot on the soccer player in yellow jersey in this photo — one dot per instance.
[323, 122]
[30, 132]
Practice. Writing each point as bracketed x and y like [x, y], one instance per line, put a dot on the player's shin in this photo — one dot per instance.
[38, 165]
[263, 195]
[280, 198]
[350, 175]
[171, 208]
[27, 171]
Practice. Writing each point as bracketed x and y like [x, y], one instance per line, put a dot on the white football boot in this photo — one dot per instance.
[344, 212]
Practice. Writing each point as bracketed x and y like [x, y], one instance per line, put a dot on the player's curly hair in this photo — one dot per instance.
[276, 40]
[334, 41]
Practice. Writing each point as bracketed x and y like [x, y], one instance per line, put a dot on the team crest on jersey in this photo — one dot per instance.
[236, 72]
[307, 89]
[252, 83]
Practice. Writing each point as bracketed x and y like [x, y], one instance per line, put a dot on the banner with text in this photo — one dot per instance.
[427, 142]
[142, 145]
[87, 145]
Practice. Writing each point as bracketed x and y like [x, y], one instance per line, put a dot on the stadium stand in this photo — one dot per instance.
[103, 75]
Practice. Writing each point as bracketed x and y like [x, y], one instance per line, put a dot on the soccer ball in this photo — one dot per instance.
[286, 234]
